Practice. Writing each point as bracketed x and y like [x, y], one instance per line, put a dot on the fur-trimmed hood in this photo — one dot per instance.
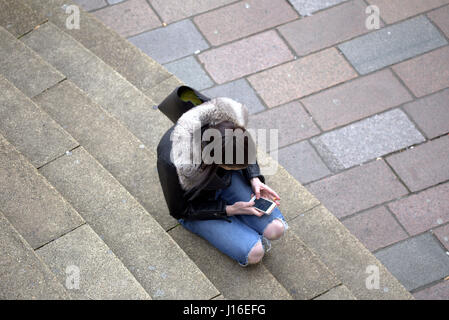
[186, 152]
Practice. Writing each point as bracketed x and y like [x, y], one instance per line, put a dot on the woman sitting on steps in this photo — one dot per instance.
[211, 196]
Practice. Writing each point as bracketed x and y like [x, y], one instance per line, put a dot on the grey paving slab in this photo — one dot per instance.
[240, 91]
[337, 293]
[127, 158]
[136, 238]
[303, 162]
[172, 42]
[431, 114]
[189, 71]
[29, 129]
[367, 139]
[18, 18]
[392, 44]
[423, 166]
[253, 282]
[22, 274]
[344, 255]
[29, 202]
[24, 68]
[102, 276]
[416, 262]
[91, 4]
[299, 270]
[307, 7]
[116, 51]
[100, 82]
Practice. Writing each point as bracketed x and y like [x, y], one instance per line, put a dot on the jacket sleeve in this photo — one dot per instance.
[253, 171]
[177, 202]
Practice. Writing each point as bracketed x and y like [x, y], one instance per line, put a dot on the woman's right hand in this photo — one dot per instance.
[241, 207]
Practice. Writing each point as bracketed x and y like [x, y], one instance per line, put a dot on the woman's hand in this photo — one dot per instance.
[243, 208]
[262, 190]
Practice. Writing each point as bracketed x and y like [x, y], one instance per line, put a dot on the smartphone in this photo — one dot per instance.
[263, 204]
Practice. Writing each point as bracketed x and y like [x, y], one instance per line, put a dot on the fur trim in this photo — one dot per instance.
[186, 152]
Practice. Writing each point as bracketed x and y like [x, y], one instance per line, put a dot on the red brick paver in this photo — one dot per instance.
[356, 100]
[441, 19]
[395, 10]
[302, 77]
[245, 57]
[376, 228]
[243, 19]
[426, 74]
[440, 291]
[129, 18]
[442, 233]
[326, 28]
[423, 211]
[357, 189]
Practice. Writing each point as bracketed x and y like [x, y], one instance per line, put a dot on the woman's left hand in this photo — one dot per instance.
[260, 189]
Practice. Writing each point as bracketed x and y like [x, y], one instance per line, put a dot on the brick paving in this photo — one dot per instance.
[362, 114]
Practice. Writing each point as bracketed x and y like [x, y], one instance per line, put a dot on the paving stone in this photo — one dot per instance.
[367, 139]
[24, 68]
[115, 1]
[375, 228]
[144, 72]
[172, 42]
[240, 91]
[340, 23]
[129, 18]
[357, 189]
[302, 77]
[307, 7]
[189, 71]
[35, 209]
[439, 291]
[291, 120]
[100, 82]
[392, 44]
[426, 74]
[17, 18]
[423, 211]
[245, 57]
[423, 166]
[22, 274]
[442, 233]
[302, 162]
[29, 129]
[91, 4]
[127, 229]
[127, 158]
[393, 11]
[356, 99]
[337, 293]
[431, 114]
[243, 19]
[441, 18]
[102, 275]
[416, 262]
[344, 255]
[254, 282]
[173, 10]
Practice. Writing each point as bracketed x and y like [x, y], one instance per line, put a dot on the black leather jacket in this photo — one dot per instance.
[198, 204]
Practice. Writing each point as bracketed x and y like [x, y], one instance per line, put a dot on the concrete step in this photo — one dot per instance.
[114, 146]
[91, 269]
[233, 281]
[18, 18]
[337, 293]
[143, 72]
[99, 81]
[29, 202]
[31, 131]
[23, 67]
[154, 259]
[22, 273]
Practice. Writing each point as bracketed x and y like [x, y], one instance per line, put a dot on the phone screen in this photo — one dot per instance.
[262, 204]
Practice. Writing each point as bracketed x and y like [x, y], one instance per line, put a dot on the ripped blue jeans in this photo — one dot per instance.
[238, 237]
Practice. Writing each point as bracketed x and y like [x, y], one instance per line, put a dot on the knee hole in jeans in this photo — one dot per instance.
[274, 230]
[256, 254]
